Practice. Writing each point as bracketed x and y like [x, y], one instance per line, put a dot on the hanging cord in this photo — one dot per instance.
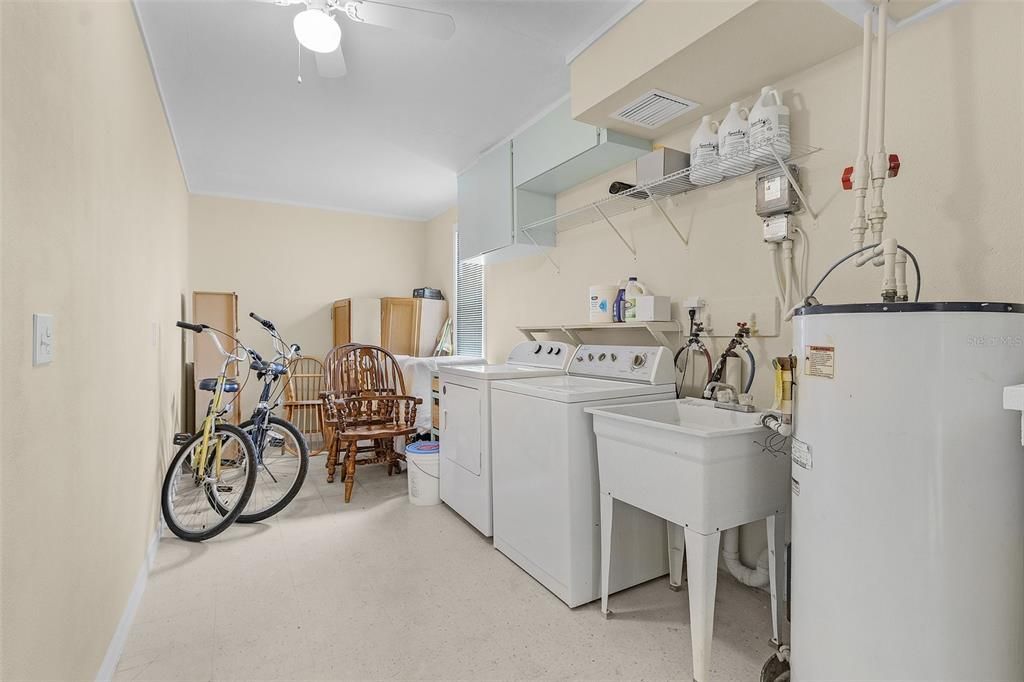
[913, 259]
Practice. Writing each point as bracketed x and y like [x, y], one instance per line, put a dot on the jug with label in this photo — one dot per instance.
[634, 290]
[769, 127]
[704, 162]
[619, 307]
[733, 147]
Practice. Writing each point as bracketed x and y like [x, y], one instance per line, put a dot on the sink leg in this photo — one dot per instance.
[702, 575]
[607, 505]
[676, 555]
[777, 571]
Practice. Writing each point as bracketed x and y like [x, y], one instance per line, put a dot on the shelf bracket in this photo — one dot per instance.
[573, 336]
[547, 255]
[792, 181]
[615, 230]
[671, 222]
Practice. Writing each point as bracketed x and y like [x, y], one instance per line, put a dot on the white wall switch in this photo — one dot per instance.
[42, 339]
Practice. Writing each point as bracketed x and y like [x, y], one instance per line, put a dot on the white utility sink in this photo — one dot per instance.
[704, 470]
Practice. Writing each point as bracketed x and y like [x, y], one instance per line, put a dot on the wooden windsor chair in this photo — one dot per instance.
[365, 401]
[303, 405]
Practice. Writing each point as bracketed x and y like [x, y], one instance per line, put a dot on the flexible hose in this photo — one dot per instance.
[917, 271]
[753, 368]
[913, 259]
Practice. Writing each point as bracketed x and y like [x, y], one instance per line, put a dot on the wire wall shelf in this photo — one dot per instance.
[754, 160]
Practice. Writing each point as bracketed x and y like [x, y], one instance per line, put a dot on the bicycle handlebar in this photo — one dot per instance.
[197, 328]
[266, 323]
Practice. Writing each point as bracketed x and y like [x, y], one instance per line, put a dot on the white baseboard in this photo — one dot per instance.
[124, 626]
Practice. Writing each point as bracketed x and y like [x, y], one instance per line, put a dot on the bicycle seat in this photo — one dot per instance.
[230, 385]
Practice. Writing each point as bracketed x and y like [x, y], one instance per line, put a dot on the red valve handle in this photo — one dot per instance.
[847, 179]
[894, 165]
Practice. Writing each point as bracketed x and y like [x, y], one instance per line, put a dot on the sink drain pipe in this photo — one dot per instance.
[752, 577]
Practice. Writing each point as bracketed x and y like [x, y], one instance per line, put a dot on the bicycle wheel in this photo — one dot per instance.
[198, 506]
[282, 460]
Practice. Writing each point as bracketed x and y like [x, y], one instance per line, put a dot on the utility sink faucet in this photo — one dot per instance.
[712, 390]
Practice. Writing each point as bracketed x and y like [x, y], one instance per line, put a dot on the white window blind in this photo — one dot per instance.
[469, 306]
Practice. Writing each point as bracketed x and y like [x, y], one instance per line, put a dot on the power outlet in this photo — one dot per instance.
[42, 339]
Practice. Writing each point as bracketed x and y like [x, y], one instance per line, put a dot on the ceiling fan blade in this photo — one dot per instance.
[421, 21]
[331, 64]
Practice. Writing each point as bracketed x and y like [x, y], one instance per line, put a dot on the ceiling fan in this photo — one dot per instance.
[317, 28]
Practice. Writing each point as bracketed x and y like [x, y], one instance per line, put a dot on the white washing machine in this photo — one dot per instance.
[546, 498]
[466, 424]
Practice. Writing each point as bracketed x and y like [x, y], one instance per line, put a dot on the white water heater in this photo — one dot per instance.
[907, 553]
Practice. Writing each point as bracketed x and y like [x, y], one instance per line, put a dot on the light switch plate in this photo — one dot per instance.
[42, 339]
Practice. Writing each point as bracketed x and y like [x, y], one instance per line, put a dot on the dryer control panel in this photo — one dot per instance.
[553, 354]
[646, 364]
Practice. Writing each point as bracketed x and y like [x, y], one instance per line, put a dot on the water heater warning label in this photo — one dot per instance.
[820, 361]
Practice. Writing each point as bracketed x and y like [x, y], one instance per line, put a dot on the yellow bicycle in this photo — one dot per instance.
[212, 475]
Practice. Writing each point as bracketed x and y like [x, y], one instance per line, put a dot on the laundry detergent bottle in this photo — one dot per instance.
[769, 127]
[733, 146]
[704, 162]
[634, 290]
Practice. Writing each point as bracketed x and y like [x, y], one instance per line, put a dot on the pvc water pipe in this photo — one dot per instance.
[752, 577]
[902, 294]
[860, 168]
[780, 285]
[890, 252]
[788, 268]
[880, 162]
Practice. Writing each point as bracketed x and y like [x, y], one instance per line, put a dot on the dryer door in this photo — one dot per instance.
[460, 435]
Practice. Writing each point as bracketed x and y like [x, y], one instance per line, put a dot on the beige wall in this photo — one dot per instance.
[440, 251]
[94, 232]
[956, 96]
[289, 264]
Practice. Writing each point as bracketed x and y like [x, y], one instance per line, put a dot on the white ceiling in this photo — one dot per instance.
[389, 137]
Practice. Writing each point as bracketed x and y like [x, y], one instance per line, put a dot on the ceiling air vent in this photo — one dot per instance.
[654, 109]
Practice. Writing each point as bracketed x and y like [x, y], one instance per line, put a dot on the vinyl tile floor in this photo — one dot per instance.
[381, 589]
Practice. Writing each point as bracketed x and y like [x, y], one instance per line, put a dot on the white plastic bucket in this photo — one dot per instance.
[424, 466]
[602, 299]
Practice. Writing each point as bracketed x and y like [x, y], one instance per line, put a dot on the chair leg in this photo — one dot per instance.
[350, 470]
[332, 461]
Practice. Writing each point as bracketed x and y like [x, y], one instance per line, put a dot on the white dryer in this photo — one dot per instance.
[546, 495]
[466, 423]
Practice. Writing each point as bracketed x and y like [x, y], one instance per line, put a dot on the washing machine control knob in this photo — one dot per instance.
[537, 349]
[601, 357]
[590, 356]
[579, 358]
[614, 357]
[639, 360]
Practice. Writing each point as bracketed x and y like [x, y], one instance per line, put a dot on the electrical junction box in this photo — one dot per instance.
[778, 228]
[774, 193]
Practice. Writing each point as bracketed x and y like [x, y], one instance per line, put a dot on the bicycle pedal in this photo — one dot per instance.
[225, 488]
[182, 438]
[276, 442]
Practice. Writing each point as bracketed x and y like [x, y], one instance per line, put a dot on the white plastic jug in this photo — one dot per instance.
[602, 301]
[769, 127]
[733, 147]
[634, 289]
[704, 168]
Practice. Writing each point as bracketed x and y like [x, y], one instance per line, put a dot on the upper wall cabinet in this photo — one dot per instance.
[485, 203]
[488, 204]
[557, 153]
[515, 184]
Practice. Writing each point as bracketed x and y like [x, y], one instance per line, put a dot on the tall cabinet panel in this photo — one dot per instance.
[356, 320]
[219, 309]
[410, 326]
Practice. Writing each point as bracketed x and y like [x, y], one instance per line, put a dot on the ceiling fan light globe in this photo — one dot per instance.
[317, 31]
